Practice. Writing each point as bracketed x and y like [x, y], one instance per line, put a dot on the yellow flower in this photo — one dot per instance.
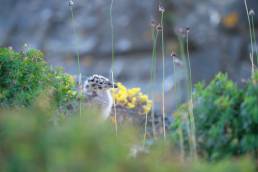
[144, 98]
[149, 102]
[133, 91]
[130, 105]
[120, 98]
[146, 109]
[121, 87]
[134, 100]
[131, 98]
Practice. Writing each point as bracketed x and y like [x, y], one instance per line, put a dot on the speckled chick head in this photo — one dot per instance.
[97, 83]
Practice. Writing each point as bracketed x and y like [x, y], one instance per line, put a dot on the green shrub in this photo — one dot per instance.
[249, 118]
[25, 75]
[217, 119]
[226, 119]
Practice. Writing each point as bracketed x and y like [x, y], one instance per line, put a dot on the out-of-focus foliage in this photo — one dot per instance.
[216, 114]
[132, 99]
[249, 117]
[225, 118]
[30, 142]
[25, 75]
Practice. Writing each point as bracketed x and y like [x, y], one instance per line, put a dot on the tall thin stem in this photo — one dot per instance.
[252, 64]
[180, 130]
[153, 78]
[254, 37]
[250, 32]
[187, 117]
[71, 3]
[163, 76]
[189, 64]
[191, 114]
[113, 57]
[145, 129]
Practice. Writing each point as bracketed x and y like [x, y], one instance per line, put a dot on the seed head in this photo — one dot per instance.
[251, 12]
[71, 3]
[159, 27]
[161, 9]
[173, 54]
[187, 29]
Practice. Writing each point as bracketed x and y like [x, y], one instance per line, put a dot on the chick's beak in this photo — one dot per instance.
[115, 85]
[112, 85]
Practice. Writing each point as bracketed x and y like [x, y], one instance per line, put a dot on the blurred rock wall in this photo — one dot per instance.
[47, 25]
[219, 35]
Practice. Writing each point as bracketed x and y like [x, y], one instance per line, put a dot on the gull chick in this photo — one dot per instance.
[96, 88]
